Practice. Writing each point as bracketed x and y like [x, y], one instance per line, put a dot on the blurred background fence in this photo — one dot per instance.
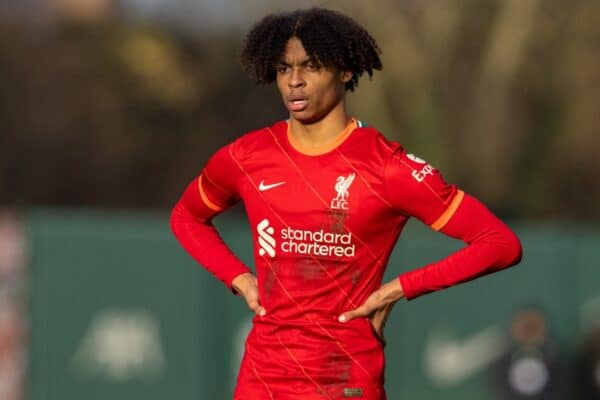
[109, 107]
[118, 311]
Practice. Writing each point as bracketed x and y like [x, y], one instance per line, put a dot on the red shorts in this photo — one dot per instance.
[293, 363]
[302, 390]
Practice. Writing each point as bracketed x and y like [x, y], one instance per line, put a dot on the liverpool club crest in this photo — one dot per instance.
[342, 184]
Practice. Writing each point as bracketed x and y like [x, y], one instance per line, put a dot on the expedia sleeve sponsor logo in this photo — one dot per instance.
[305, 242]
[423, 173]
[422, 169]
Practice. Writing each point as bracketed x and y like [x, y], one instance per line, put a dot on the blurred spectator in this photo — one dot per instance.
[589, 374]
[531, 367]
[12, 250]
[12, 319]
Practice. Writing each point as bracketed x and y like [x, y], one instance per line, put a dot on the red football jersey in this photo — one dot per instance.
[324, 224]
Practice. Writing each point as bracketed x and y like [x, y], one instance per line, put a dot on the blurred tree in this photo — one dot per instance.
[576, 149]
[116, 115]
[500, 95]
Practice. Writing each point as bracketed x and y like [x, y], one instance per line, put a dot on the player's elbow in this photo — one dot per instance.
[511, 251]
[182, 218]
[174, 220]
[177, 218]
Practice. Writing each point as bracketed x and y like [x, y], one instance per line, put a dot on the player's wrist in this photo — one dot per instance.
[394, 290]
[241, 282]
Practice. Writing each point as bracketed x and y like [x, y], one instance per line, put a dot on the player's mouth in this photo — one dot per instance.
[296, 103]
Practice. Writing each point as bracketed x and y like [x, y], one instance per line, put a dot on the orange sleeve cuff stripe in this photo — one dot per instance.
[446, 215]
[205, 199]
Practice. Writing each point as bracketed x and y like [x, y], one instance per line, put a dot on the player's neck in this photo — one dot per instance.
[321, 133]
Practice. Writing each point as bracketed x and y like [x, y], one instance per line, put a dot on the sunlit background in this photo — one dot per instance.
[108, 108]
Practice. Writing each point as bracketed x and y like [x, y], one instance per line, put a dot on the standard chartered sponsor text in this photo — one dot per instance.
[318, 243]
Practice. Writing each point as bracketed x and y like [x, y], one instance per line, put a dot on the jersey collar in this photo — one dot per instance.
[341, 138]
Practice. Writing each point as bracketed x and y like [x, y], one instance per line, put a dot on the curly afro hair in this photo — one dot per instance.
[330, 38]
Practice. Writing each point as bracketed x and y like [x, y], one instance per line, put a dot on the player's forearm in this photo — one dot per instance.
[491, 246]
[466, 264]
[200, 239]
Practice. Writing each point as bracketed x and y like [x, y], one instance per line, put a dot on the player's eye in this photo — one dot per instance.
[312, 66]
[282, 68]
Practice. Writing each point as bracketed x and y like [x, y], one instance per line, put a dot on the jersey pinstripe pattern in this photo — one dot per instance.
[332, 227]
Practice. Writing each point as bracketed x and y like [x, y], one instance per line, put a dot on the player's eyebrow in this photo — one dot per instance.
[304, 62]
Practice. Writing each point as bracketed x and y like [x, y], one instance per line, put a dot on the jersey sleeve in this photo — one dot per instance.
[416, 189]
[206, 196]
[490, 246]
[217, 184]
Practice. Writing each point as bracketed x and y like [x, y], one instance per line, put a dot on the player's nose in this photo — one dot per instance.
[296, 79]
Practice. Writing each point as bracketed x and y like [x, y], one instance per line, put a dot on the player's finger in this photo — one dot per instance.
[377, 325]
[257, 308]
[361, 311]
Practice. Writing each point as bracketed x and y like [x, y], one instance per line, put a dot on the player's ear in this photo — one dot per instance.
[345, 76]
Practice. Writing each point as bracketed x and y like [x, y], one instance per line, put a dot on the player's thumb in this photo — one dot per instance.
[255, 306]
[350, 315]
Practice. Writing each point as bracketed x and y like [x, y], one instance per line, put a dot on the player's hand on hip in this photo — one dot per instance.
[377, 306]
[247, 285]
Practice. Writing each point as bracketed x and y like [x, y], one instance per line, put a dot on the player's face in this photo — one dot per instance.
[308, 91]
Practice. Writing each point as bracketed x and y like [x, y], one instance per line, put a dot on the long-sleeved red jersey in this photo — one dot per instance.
[324, 224]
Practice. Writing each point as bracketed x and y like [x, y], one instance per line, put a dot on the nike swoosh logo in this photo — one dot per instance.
[262, 187]
[450, 361]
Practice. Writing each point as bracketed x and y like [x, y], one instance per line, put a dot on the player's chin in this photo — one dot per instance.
[306, 116]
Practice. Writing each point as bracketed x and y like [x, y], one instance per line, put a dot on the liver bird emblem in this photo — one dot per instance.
[342, 184]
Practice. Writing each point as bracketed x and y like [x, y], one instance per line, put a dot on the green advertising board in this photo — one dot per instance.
[120, 311]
